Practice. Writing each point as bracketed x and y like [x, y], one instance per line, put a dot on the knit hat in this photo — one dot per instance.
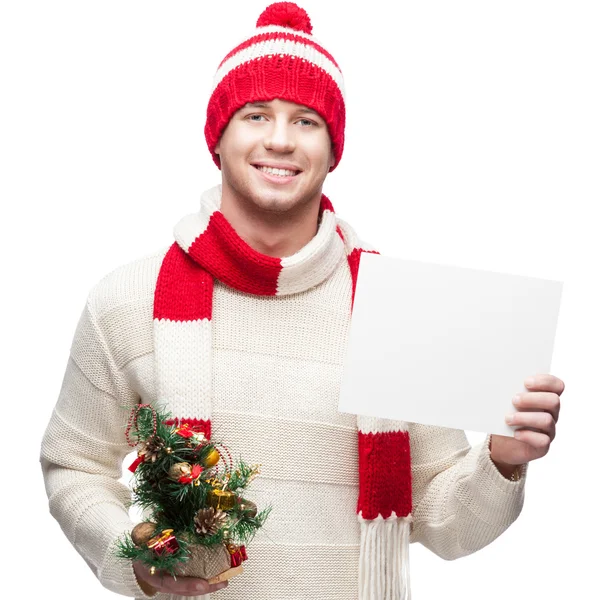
[281, 59]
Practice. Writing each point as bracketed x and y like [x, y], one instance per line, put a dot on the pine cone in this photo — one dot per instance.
[208, 521]
[151, 448]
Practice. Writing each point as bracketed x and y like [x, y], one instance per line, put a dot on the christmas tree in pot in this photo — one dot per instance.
[199, 522]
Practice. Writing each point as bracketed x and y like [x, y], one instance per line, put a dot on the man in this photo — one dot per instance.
[241, 327]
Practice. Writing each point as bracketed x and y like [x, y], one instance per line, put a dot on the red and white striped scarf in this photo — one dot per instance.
[207, 247]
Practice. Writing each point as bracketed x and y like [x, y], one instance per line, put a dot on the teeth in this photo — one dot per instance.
[280, 172]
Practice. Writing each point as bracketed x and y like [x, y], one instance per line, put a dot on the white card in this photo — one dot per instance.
[445, 345]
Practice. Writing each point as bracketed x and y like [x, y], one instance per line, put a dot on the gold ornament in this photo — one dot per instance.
[152, 570]
[221, 499]
[142, 532]
[211, 459]
[208, 521]
[169, 450]
[248, 507]
[179, 470]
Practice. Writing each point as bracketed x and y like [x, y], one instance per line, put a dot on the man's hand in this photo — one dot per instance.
[182, 586]
[536, 417]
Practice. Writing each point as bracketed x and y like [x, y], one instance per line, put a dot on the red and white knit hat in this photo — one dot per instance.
[281, 59]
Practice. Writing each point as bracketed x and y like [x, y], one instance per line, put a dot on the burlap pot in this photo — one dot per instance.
[212, 564]
[204, 562]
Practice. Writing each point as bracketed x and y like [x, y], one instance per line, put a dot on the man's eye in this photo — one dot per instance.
[252, 117]
[307, 122]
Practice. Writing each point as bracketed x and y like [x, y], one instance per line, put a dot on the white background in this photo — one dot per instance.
[472, 139]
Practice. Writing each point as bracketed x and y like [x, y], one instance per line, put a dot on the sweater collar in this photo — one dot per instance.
[211, 241]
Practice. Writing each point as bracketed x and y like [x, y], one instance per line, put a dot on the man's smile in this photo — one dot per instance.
[276, 174]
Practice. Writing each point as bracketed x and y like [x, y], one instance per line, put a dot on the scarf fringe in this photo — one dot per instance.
[384, 570]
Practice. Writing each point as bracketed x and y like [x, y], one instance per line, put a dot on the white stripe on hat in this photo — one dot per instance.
[279, 29]
[280, 46]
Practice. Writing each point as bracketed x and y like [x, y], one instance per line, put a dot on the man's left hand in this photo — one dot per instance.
[536, 418]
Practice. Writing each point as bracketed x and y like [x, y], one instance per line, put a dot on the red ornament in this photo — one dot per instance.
[184, 431]
[195, 474]
[165, 543]
[237, 554]
[196, 425]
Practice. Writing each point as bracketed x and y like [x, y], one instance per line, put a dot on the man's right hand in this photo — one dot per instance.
[163, 582]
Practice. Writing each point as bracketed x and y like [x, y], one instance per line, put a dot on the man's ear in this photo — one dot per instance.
[331, 158]
[218, 147]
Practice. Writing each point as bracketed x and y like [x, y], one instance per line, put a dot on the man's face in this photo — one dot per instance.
[280, 135]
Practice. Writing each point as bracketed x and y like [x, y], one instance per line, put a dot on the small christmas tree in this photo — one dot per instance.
[199, 522]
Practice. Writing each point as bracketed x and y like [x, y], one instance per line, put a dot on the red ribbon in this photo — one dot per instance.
[184, 431]
[135, 464]
[196, 470]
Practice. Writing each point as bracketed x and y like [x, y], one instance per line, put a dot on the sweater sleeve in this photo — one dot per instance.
[82, 453]
[461, 502]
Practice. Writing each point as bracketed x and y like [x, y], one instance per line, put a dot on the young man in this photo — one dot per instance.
[241, 325]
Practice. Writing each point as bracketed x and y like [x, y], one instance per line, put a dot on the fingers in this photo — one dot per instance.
[539, 441]
[539, 401]
[188, 586]
[545, 382]
[543, 422]
[217, 586]
[182, 586]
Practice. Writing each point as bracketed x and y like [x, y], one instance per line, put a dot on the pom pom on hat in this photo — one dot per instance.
[285, 14]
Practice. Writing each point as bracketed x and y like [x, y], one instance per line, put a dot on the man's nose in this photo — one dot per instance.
[279, 136]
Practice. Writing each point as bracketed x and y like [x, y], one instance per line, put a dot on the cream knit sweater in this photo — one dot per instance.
[276, 376]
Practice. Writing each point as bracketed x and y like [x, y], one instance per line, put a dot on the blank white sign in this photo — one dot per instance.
[445, 345]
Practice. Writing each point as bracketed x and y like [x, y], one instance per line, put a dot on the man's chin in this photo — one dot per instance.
[277, 201]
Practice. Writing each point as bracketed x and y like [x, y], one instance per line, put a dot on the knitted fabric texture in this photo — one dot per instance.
[277, 369]
[207, 247]
[281, 59]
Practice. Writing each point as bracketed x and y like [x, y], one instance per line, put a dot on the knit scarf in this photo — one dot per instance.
[206, 248]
